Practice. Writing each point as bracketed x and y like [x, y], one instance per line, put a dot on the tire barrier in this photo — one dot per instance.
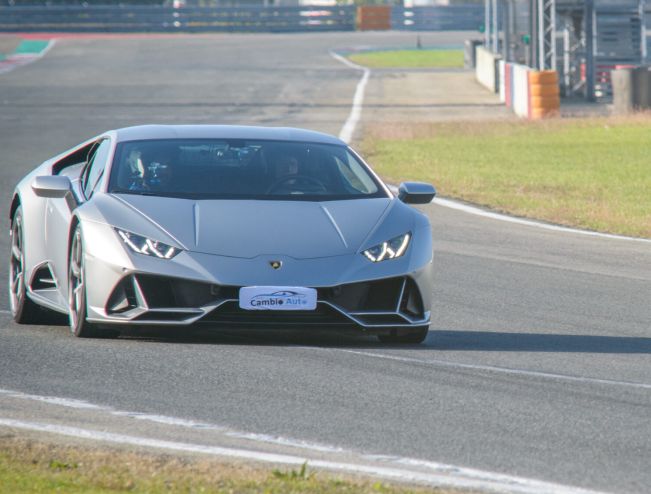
[544, 94]
[529, 93]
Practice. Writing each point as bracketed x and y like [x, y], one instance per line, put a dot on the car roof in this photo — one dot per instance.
[147, 132]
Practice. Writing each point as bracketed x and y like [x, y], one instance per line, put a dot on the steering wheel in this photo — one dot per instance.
[311, 183]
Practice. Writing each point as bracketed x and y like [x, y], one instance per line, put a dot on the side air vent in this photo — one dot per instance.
[43, 279]
[411, 303]
[123, 297]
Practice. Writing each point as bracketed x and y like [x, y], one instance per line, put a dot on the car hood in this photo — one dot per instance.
[248, 228]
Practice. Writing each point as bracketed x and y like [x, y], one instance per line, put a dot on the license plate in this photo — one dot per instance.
[277, 298]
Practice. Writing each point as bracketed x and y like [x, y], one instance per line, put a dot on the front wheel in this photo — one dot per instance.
[79, 326]
[412, 336]
[23, 310]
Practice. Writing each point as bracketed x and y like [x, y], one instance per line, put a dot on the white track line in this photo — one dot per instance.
[348, 130]
[441, 475]
[502, 370]
[172, 421]
[346, 135]
[521, 221]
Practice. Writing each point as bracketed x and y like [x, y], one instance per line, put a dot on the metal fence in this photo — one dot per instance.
[137, 18]
[153, 18]
[448, 18]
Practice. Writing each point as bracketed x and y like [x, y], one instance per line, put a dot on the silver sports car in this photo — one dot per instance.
[220, 225]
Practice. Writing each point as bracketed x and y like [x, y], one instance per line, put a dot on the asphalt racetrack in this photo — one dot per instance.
[538, 364]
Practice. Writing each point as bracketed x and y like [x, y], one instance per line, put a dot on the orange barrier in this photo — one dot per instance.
[374, 17]
[544, 94]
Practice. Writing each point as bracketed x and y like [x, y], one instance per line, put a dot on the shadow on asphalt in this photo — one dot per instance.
[261, 337]
[495, 341]
[438, 340]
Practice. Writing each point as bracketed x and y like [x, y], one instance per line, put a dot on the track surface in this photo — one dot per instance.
[506, 296]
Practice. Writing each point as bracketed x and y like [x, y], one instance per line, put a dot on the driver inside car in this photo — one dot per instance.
[294, 177]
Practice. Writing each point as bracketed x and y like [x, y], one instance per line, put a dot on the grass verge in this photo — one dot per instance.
[593, 173]
[34, 467]
[409, 58]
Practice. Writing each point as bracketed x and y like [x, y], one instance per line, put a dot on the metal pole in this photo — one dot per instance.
[506, 30]
[643, 30]
[487, 23]
[567, 47]
[533, 38]
[589, 20]
[496, 43]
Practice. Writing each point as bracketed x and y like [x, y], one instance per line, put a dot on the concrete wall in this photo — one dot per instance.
[487, 69]
[631, 89]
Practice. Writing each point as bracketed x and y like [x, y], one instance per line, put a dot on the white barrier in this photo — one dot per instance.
[502, 74]
[487, 70]
[519, 89]
[531, 93]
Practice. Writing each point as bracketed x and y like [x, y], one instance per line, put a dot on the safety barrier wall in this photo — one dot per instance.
[438, 18]
[138, 18]
[529, 93]
[487, 68]
[156, 18]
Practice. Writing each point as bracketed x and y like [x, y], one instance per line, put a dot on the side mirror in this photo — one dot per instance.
[52, 186]
[416, 192]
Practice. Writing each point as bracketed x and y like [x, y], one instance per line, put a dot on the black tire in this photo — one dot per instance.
[23, 309]
[79, 326]
[397, 336]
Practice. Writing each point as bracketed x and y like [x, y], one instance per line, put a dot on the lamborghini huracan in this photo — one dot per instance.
[224, 226]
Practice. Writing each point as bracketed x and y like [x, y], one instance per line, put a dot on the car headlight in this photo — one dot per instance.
[147, 246]
[391, 249]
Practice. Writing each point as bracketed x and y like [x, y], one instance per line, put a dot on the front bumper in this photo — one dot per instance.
[198, 288]
[158, 300]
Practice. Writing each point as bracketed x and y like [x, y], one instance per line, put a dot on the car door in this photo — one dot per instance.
[59, 214]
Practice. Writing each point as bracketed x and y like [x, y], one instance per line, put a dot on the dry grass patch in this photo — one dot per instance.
[43, 466]
[589, 173]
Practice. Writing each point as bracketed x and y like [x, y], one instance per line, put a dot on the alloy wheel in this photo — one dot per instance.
[16, 266]
[76, 282]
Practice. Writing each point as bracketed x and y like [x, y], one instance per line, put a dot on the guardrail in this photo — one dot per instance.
[154, 18]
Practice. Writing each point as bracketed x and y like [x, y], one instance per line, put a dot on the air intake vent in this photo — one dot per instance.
[43, 279]
[123, 297]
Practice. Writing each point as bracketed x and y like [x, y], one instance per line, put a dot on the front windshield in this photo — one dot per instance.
[239, 169]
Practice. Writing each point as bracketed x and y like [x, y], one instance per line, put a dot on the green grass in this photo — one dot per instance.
[593, 174]
[409, 58]
[36, 467]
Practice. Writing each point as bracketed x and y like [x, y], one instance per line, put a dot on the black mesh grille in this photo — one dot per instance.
[230, 314]
[412, 303]
[164, 292]
[381, 295]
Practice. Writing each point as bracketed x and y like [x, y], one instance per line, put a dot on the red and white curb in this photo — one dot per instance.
[21, 59]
